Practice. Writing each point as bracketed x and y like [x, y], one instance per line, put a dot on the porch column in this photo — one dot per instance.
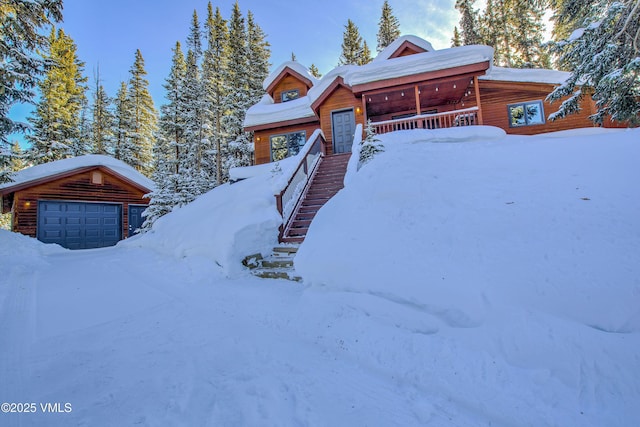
[478, 103]
[364, 108]
[417, 92]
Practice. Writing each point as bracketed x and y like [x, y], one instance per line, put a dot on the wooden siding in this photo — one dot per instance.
[289, 82]
[261, 139]
[74, 188]
[341, 99]
[496, 96]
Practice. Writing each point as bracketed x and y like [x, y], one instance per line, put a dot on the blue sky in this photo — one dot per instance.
[107, 33]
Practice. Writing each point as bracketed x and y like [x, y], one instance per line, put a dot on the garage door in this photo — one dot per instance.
[79, 225]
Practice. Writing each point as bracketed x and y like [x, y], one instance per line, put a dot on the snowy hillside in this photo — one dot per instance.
[461, 278]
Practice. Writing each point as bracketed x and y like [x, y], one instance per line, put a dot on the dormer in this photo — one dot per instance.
[289, 81]
[404, 46]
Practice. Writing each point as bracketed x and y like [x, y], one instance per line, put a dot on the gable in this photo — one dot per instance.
[289, 74]
[407, 48]
[288, 83]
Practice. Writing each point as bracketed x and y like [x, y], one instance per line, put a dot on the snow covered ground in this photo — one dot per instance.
[461, 278]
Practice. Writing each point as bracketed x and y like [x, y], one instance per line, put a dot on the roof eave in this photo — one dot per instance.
[27, 184]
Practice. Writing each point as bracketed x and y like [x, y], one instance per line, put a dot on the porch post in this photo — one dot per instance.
[417, 92]
[478, 103]
[364, 108]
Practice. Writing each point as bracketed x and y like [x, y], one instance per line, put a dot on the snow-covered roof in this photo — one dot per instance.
[266, 111]
[526, 75]
[395, 45]
[293, 65]
[67, 165]
[420, 63]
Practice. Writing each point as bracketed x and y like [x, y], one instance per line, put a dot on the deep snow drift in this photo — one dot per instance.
[461, 278]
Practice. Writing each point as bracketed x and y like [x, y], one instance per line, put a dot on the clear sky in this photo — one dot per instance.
[108, 32]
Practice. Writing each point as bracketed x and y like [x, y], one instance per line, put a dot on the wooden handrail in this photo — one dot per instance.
[464, 117]
[300, 176]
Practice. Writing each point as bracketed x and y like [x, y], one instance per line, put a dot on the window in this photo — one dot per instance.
[289, 95]
[287, 144]
[526, 114]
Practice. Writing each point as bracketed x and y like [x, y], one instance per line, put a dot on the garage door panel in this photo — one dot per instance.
[79, 225]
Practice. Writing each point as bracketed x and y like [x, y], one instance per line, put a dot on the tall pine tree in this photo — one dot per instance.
[56, 120]
[102, 138]
[123, 116]
[238, 98]
[352, 45]
[144, 116]
[388, 27]
[214, 72]
[21, 39]
[468, 22]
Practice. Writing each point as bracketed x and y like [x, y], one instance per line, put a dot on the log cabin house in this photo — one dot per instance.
[408, 85]
[79, 203]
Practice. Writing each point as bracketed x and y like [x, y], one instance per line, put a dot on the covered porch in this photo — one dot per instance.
[441, 102]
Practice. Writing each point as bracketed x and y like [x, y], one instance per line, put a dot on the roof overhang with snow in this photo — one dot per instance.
[52, 171]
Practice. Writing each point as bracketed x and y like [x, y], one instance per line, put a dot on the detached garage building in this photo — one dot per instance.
[79, 203]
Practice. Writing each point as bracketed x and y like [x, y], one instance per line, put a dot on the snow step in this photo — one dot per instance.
[278, 265]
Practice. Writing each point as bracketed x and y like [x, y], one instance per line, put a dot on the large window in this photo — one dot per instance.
[287, 144]
[289, 95]
[526, 114]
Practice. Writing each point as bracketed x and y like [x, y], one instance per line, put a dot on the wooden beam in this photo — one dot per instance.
[478, 103]
[417, 92]
[364, 108]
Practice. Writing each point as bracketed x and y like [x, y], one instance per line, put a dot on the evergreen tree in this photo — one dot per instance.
[388, 27]
[163, 197]
[468, 22]
[603, 59]
[352, 45]
[81, 143]
[456, 41]
[365, 57]
[56, 121]
[102, 140]
[192, 168]
[528, 31]
[314, 71]
[515, 30]
[194, 39]
[238, 98]
[11, 161]
[568, 16]
[21, 25]
[172, 114]
[259, 54]
[124, 149]
[214, 71]
[144, 119]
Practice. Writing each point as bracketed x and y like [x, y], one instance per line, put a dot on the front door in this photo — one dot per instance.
[343, 125]
[135, 218]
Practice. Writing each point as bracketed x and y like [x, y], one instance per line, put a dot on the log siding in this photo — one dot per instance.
[75, 188]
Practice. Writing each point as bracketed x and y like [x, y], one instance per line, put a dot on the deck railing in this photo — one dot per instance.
[466, 117]
[288, 198]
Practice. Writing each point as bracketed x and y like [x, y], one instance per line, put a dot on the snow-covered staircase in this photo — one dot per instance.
[327, 181]
[278, 265]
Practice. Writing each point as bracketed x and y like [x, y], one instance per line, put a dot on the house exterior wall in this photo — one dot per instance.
[288, 83]
[341, 99]
[261, 139]
[495, 96]
[77, 187]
